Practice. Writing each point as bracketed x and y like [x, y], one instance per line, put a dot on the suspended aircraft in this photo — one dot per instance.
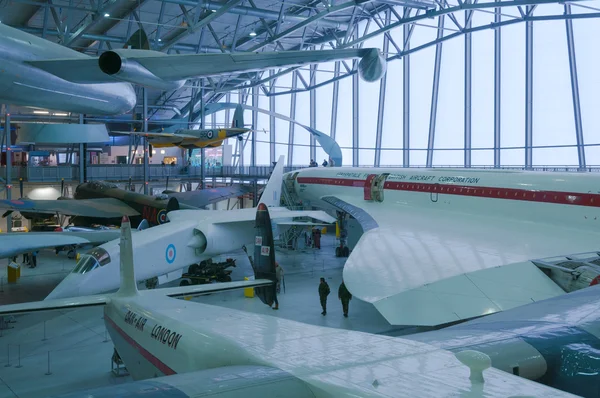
[190, 349]
[444, 245]
[191, 236]
[191, 139]
[39, 73]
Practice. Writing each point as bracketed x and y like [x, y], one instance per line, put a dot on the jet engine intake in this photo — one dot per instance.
[117, 64]
[372, 65]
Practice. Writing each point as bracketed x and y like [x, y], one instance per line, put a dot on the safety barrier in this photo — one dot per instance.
[123, 172]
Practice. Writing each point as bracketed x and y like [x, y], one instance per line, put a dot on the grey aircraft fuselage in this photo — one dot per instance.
[25, 85]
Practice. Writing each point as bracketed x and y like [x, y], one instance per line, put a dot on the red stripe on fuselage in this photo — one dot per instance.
[529, 195]
[157, 363]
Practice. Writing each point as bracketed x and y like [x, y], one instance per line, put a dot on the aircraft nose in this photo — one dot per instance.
[69, 287]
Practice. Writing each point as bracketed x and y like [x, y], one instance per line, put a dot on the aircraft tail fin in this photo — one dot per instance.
[264, 255]
[271, 195]
[128, 282]
[138, 41]
[238, 118]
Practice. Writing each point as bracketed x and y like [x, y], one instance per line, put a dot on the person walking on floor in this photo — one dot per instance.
[34, 259]
[323, 293]
[345, 296]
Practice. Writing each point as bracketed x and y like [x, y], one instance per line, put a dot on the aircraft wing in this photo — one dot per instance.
[173, 67]
[54, 305]
[12, 244]
[151, 134]
[197, 290]
[204, 197]
[430, 267]
[103, 207]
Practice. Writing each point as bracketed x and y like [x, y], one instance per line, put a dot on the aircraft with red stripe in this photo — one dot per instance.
[444, 245]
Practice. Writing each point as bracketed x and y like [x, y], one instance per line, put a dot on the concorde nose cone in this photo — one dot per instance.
[69, 287]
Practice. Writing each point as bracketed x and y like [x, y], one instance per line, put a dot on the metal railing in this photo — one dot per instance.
[124, 172]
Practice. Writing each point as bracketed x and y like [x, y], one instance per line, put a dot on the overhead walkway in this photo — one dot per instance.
[124, 172]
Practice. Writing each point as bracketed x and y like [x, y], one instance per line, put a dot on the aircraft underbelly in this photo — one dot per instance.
[21, 84]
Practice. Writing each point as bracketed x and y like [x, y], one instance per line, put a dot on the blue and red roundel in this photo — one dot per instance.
[170, 253]
[161, 217]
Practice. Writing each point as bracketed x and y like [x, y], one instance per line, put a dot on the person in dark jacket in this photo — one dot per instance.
[345, 296]
[323, 293]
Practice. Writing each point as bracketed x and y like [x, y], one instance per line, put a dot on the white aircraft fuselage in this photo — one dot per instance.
[157, 335]
[26, 85]
[191, 236]
[565, 199]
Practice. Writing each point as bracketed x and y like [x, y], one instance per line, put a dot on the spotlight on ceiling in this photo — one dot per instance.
[159, 39]
[252, 34]
[106, 15]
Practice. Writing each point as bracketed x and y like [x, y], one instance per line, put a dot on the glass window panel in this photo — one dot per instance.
[513, 88]
[301, 136]
[586, 33]
[482, 158]
[555, 157]
[366, 157]
[421, 78]
[418, 158]
[393, 108]
[592, 156]
[391, 157]
[343, 134]
[346, 157]
[449, 131]
[512, 157]
[482, 94]
[448, 158]
[553, 122]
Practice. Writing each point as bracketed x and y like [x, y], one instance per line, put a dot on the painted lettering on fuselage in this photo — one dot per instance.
[165, 336]
[135, 320]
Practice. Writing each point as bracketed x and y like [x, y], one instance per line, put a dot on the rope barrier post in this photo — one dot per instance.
[48, 372]
[105, 337]
[19, 357]
[7, 356]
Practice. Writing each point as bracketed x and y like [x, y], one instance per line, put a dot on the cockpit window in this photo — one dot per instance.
[97, 257]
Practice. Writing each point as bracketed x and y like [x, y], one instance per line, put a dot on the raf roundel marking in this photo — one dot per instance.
[170, 253]
[161, 217]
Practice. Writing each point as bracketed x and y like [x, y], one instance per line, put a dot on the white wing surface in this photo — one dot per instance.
[21, 242]
[429, 267]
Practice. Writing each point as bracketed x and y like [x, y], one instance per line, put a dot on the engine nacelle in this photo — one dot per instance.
[212, 240]
[372, 65]
[117, 63]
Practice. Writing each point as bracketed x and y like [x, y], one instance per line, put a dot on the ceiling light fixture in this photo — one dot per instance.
[159, 39]
[252, 34]
[61, 114]
[106, 15]
[41, 112]
[214, 10]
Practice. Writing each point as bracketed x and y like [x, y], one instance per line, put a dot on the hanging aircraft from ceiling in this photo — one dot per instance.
[40, 73]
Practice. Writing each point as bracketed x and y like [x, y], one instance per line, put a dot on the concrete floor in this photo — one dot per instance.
[74, 347]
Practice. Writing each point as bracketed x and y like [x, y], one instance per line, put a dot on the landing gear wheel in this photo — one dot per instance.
[338, 251]
[346, 251]
[184, 282]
